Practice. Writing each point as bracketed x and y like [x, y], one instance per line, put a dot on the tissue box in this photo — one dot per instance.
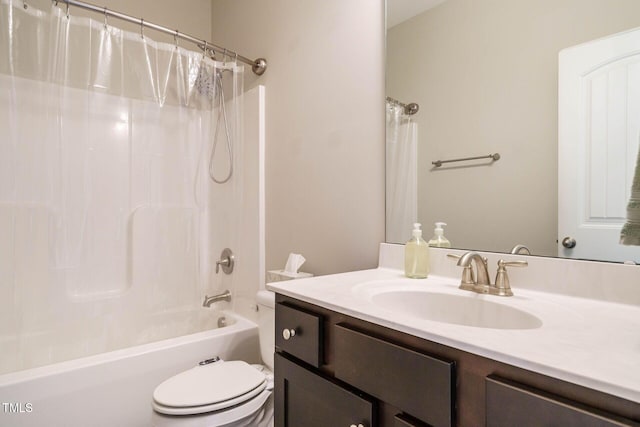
[280, 275]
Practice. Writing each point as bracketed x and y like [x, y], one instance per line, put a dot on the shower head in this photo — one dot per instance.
[209, 80]
[411, 109]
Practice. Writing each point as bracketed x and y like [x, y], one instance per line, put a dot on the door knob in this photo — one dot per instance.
[569, 242]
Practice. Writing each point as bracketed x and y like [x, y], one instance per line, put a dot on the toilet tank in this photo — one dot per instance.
[266, 325]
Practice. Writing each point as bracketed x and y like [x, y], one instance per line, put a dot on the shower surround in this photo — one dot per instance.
[109, 219]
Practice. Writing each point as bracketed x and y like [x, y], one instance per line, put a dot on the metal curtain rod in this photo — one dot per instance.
[258, 66]
[409, 109]
[494, 156]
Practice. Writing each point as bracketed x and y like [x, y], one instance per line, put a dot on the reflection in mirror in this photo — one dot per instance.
[485, 75]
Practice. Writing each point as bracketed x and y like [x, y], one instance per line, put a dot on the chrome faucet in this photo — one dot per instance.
[520, 250]
[225, 296]
[482, 284]
[482, 273]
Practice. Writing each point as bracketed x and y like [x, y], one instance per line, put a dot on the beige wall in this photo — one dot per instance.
[325, 124]
[485, 76]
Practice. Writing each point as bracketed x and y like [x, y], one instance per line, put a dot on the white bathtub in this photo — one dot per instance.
[115, 388]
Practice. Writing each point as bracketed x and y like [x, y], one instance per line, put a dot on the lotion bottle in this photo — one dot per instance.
[416, 255]
[438, 240]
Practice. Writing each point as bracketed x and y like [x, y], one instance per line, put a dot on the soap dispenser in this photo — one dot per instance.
[416, 255]
[438, 240]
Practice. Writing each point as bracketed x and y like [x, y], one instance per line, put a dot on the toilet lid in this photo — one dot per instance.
[207, 388]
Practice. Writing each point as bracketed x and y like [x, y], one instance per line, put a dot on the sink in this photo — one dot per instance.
[465, 308]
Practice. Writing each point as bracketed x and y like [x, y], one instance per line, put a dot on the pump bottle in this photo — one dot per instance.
[416, 255]
[438, 240]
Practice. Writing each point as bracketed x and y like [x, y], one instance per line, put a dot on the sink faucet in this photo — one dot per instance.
[521, 249]
[482, 284]
[482, 274]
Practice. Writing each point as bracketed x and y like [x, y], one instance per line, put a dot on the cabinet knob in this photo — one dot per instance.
[288, 333]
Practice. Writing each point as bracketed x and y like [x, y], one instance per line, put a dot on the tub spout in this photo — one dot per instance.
[225, 296]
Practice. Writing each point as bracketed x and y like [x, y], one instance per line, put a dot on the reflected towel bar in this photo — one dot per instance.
[494, 156]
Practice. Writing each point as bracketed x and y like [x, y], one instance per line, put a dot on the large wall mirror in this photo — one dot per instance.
[484, 74]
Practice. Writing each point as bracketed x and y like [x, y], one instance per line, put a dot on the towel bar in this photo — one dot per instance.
[494, 156]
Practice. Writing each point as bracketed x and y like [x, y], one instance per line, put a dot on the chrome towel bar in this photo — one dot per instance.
[494, 157]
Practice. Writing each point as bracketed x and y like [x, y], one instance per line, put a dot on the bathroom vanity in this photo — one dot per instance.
[342, 359]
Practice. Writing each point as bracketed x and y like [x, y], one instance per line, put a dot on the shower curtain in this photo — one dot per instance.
[401, 174]
[106, 211]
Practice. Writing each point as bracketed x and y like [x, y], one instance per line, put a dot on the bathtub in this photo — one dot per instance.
[115, 388]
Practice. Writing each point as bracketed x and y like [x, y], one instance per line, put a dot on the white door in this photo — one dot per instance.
[598, 137]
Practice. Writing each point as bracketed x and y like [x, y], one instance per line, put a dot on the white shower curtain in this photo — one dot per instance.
[105, 210]
[401, 171]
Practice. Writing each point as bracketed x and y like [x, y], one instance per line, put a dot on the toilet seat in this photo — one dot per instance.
[209, 388]
[257, 412]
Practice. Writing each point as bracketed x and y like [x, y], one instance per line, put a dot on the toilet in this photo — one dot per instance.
[220, 393]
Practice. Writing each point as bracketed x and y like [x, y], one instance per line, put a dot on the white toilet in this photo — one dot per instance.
[223, 393]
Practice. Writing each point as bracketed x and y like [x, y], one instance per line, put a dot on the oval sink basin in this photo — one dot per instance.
[468, 310]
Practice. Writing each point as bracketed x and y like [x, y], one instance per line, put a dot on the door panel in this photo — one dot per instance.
[598, 138]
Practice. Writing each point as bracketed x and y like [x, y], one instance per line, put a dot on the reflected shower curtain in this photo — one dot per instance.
[401, 179]
[104, 185]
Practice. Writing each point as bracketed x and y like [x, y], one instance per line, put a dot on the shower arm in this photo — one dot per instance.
[258, 66]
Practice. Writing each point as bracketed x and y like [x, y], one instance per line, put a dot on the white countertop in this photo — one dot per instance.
[587, 342]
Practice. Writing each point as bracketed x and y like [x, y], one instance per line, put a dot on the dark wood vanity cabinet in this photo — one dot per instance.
[413, 381]
[513, 404]
[333, 370]
[329, 372]
[305, 398]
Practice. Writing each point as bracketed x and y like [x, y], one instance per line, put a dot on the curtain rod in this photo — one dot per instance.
[409, 109]
[258, 66]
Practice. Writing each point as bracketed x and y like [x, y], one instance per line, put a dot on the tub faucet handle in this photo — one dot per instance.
[227, 260]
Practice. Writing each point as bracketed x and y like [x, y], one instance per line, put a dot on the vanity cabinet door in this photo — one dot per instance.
[512, 404]
[305, 399]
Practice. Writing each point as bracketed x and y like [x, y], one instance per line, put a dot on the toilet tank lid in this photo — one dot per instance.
[266, 298]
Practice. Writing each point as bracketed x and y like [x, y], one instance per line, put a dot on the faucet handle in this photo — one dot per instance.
[468, 280]
[227, 260]
[518, 263]
[503, 288]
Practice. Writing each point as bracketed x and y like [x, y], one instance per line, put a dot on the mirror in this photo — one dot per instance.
[485, 76]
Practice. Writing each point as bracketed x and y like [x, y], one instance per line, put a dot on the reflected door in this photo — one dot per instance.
[598, 137]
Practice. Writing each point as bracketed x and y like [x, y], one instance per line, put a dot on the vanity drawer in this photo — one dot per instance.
[299, 333]
[512, 404]
[418, 384]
